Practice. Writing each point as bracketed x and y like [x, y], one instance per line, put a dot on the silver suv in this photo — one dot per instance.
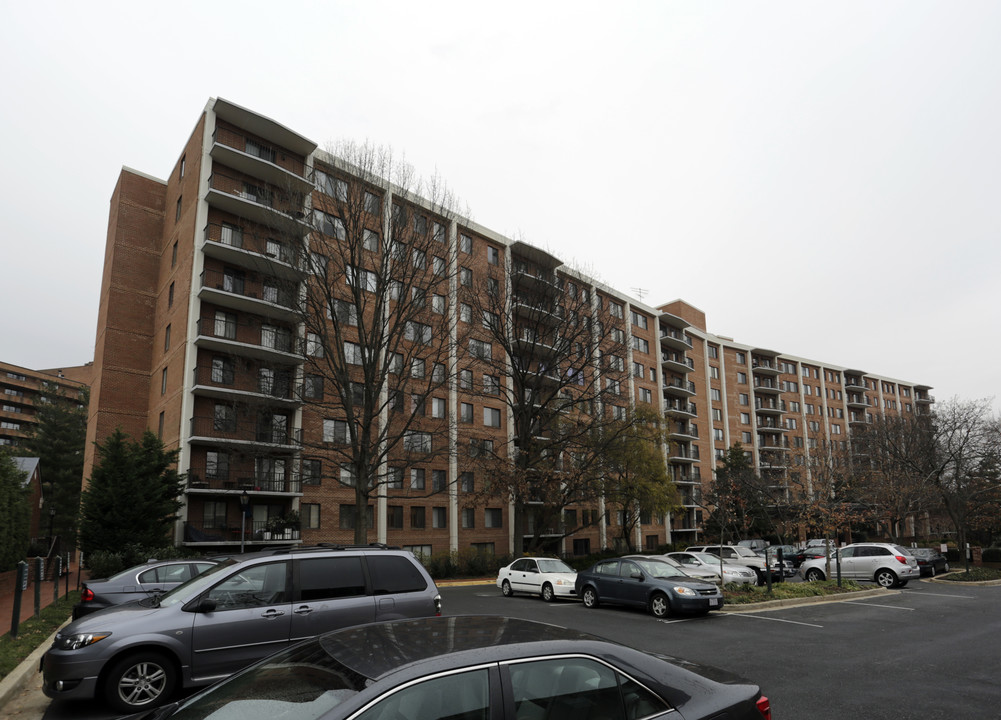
[883, 563]
[135, 655]
[738, 555]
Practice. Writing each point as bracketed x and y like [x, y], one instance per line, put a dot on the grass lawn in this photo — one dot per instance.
[33, 632]
[734, 594]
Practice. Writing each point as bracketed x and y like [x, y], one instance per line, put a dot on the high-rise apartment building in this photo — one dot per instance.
[22, 391]
[200, 339]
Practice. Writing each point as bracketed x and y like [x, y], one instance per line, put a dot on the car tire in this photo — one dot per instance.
[933, 570]
[946, 568]
[140, 681]
[814, 575]
[886, 578]
[660, 606]
[589, 597]
[548, 594]
[506, 590]
[760, 576]
[901, 583]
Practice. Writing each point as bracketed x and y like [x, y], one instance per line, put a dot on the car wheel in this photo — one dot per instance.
[506, 590]
[761, 576]
[547, 593]
[902, 583]
[140, 681]
[886, 578]
[590, 598]
[933, 570]
[660, 606]
[814, 575]
[946, 568]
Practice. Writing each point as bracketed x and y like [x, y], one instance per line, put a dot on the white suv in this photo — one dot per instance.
[886, 564]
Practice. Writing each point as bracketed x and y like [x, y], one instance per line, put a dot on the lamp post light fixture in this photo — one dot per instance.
[244, 502]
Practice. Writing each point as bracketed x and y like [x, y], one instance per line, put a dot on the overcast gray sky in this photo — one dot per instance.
[820, 178]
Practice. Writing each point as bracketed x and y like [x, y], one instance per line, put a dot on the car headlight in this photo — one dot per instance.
[682, 590]
[561, 581]
[77, 641]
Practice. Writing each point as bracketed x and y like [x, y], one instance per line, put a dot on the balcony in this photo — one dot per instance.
[249, 248]
[923, 398]
[680, 407]
[678, 362]
[246, 339]
[771, 424]
[538, 282]
[547, 314]
[271, 163]
[766, 385]
[682, 453]
[251, 293]
[764, 366]
[682, 431]
[254, 485]
[255, 201]
[231, 431]
[528, 343]
[254, 532]
[857, 400]
[855, 382]
[674, 338]
[678, 388]
[770, 406]
[223, 382]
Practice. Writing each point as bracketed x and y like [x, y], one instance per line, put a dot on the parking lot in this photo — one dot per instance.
[926, 651]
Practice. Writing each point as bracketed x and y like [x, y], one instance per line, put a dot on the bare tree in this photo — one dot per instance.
[371, 270]
[562, 360]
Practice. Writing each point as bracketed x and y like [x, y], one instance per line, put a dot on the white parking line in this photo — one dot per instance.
[668, 622]
[773, 619]
[961, 597]
[888, 607]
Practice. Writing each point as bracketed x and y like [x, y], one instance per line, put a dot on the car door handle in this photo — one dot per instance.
[304, 610]
[271, 614]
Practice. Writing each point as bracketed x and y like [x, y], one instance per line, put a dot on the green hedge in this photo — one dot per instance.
[102, 564]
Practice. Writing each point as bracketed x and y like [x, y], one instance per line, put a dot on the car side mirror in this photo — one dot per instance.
[636, 575]
[205, 605]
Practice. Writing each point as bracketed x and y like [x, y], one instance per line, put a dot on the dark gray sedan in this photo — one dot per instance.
[472, 668]
[646, 583]
[155, 576]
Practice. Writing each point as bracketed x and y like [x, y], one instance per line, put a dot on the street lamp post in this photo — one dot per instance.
[244, 502]
[52, 517]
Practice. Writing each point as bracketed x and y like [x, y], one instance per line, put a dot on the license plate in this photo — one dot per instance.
[713, 602]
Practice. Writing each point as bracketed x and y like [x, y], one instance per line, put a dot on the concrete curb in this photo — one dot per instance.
[19, 677]
[815, 600]
[972, 583]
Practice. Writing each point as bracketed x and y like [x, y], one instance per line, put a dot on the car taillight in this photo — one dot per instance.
[764, 707]
[901, 559]
[87, 595]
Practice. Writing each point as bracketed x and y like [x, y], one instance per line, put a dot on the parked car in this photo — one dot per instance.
[808, 553]
[653, 584]
[930, 561]
[704, 561]
[821, 542]
[883, 563]
[771, 553]
[698, 572]
[145, 580]
[754, 544]
[738, 555]
[244, 608]
[549, 578]
[472, 668]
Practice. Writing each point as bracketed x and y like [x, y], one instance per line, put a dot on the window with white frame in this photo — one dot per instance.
[335, 431]
[352, 353]
[416, 478]
[439, 408]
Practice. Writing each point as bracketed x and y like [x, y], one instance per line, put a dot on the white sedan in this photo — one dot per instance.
[705, 561]
[550, 578]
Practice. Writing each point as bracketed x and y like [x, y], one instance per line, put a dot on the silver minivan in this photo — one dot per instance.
[248, 606]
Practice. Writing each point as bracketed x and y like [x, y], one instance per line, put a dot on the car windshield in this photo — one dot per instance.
[658, 569]
[554, 566]
[745, 551]
[708, 558]
[185, 591]
[303, 682]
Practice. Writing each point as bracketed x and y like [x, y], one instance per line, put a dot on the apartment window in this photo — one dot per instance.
[741, 359]
[491, 385]
[792, 423]
[373, 203]
[714, 372]
[439, 408]
[645, 395]
[465, 413]
[352, 352]
[717, 414]
[814, 426]
[794, 406]
[329, 185]
[335, 431]
[493, 287]
[744, 399]
[466, 277]
[466, 482]
[170, 296]
[312, 387]
[416, 478]
[468, 518]
[615, 309]
[417, 520]
[715, 393]
[364, 279]
[641, 344]
[809, 409]
[638, 320]
[166, 338]
[180, 173]
[310, 513]
[370, 240]
[438, 266]
[312, 471]
[713, 352]
[480, 349]
[177, 210]
[163, 382]
[742, 378]
[395, 479]
[745, 418]
[347, 517]
[438, 304]
[835, 429]
[465, 244]
[745, 437]
[439, 517]
[214, 515]
[216, 465]
[491, 417]
[465, 313]
[173, 255]
[493, 255]
[439, 480]
[417, 332]
[224, 418]
[466, 379]
[618, 412]
[414, 441]
[493, 518]
[344, 312]
[417, 368]
[491, 320]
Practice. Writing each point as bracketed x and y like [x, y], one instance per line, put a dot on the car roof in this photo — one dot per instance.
[379, 649]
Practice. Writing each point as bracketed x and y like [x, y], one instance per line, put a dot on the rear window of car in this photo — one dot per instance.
[394, 574]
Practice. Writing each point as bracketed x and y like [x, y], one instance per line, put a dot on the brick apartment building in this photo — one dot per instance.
[198, 339]
[23, 390]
